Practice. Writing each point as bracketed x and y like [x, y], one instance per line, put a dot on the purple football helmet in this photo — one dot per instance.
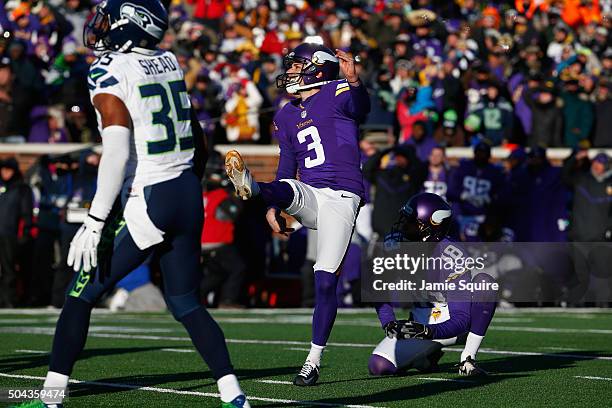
[319, 66]
[425, 217]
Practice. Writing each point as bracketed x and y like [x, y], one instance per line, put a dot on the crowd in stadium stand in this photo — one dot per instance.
[528, 74]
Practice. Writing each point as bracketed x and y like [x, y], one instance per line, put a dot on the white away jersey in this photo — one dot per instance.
[154, 92]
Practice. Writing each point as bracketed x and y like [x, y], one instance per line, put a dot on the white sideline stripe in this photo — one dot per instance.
[49, 331]
[588, 377]
[443, 379]
[179, 392]
[173, 350]
[31, 351]
[274, 382]
[297, 348]
[306, 320]
[559, 348]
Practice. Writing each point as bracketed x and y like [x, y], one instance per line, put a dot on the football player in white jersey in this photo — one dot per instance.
[145, 120]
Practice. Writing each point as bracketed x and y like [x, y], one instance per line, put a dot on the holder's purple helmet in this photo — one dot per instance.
[425, 217]
[319, 67]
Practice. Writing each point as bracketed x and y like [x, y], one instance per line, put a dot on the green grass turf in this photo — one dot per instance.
[517, 380]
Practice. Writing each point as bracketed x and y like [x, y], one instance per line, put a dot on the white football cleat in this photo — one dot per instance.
[239, 175]
[469, 368]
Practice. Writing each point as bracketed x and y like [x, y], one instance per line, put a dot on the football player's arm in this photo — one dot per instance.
[200, 154]
[385, 313]
[356, 102]
[287, 163]
[116, 124]
[459, 322]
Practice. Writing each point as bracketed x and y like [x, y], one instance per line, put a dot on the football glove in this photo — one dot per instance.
[391, 329]
[408, 329]
[84, 245]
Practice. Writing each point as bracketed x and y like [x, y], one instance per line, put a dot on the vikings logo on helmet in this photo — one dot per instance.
[318, 64]
[319, 58]
[425, 217]
[440, 215]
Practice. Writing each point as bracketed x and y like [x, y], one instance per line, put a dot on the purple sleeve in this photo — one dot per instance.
[459, 322]
[385, 313]
[287, 164]
[355, 103]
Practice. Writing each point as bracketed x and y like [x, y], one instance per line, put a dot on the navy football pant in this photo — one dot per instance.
[175, 207]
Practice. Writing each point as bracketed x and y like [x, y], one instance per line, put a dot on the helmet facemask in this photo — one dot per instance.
[308, 66]
[293, 82]
[95, 34]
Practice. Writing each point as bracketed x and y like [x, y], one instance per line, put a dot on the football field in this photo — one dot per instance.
[536, 358]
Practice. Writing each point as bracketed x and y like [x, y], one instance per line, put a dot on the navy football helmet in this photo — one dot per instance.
[126, 25]
[318, 66]
[426, 217]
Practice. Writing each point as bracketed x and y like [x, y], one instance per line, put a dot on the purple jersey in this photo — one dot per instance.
[473, 189]
[437, 183]
[446, 249]
[319, 138]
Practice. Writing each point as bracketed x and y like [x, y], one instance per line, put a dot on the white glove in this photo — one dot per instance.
[84, 245]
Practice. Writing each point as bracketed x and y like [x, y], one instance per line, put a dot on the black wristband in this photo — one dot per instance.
[93, 217]
[354, 82]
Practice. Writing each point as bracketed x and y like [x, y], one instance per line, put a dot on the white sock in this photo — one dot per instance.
[229, 388]
[56, 381]
[314, 356]
[472, 344]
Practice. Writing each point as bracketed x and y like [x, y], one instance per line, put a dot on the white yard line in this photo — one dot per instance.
[179, 392]
[173, 350]
[31, 351]
[297, 348]
[49, 331]
[588, 377]
[274, 382]
[443, 379]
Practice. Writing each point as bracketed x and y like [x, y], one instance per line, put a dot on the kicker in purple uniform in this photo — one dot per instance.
[318, 134]
[417, 342]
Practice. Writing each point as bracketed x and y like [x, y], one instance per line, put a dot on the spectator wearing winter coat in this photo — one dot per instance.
[242, 109]
[547, 117]
[15, 212]
[397, 179]
[577, 115]
[602, 136]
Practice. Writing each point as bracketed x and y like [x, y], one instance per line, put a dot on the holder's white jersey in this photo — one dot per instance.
[154, 92]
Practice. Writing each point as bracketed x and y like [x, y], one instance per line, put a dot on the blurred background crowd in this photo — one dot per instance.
[524, 74]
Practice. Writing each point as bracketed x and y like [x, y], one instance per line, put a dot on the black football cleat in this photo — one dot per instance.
[308, 376]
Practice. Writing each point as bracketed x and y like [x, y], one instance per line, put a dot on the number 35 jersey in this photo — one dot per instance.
[319, 138]
[153, 90]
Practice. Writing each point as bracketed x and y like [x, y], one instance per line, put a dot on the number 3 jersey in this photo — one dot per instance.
[153, 90]
[319, 137]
